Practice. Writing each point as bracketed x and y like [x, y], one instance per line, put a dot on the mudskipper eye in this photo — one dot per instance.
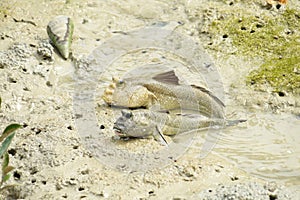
[120, 83]
[126, 114]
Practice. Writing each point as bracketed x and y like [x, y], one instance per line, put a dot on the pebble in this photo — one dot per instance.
[46, 51]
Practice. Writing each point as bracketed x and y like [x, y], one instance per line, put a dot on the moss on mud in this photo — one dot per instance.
[275, 38]
[283, 75]
[4, 9]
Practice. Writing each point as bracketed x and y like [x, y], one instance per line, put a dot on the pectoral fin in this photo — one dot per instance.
[159, 137]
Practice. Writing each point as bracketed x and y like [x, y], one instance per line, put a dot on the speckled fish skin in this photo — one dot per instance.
[165, 91]
[60, 31]
[133, 96]
[143, 123]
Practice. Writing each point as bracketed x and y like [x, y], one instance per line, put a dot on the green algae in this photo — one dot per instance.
[260, 35]
[5, 8]
[283, 75]
[273, 37]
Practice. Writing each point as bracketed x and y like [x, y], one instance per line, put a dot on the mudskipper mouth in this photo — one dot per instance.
[118, 131]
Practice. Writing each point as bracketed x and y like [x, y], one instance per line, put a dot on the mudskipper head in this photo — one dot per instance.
[127, 94]
[131, 125]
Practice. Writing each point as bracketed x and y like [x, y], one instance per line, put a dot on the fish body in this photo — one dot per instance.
[164, 92]
[143, 123]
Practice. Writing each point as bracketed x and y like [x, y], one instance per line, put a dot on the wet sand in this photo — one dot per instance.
[37, 88]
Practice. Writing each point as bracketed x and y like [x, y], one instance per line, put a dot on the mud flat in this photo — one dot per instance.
[37, 87]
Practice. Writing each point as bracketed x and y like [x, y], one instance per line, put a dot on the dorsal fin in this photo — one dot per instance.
[167, 77]
[210, 94]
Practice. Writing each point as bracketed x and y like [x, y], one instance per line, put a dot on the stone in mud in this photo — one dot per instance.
[60, 32]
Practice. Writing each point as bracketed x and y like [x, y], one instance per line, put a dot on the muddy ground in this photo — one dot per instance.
[37, 89]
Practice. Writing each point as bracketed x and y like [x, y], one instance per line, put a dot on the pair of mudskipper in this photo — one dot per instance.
[160, 105]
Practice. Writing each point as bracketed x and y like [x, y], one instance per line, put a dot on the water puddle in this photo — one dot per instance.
[267, 147]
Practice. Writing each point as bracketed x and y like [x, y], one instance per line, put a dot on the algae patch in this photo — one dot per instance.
[273, 36]
[283, 75]
[263, 35]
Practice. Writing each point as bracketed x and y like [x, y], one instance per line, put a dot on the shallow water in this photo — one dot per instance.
[268, 147]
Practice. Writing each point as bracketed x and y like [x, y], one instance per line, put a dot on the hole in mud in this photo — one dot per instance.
[12, 152]
[252, 31]
[231, 3]
[259, 25]
[278, 6]
[33, 170]
[80, 188]
[75, 147]
[243, 28]
[56, 107]
[44, 182]
[11, 80]
[273, 197]
[151, 192]
[33, 180]
[84, 172]
[288, 32]
[25, 89]
[209, 190]
[70, 127]
[17, 175]
[281, 94]
[36, 130]
[102, 127]
[49, 84]
[225, 36]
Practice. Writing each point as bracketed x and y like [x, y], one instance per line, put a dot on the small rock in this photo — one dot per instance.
[45, 50]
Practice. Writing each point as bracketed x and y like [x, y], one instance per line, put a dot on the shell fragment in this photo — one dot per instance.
[60, 31]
